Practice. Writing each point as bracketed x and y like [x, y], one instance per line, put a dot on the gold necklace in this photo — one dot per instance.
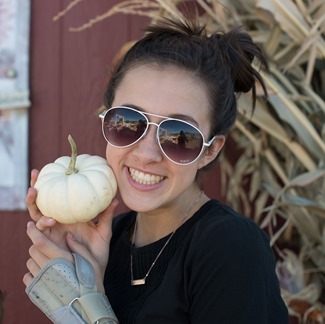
[137, 282]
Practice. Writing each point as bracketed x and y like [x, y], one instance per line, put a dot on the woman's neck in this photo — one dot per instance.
[157, 224]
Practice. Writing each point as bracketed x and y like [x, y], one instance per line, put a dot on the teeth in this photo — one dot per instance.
[144, 178]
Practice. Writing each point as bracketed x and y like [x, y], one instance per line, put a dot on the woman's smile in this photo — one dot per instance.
[145, 178]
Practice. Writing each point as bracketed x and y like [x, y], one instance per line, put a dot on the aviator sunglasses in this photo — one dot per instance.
[180, 141]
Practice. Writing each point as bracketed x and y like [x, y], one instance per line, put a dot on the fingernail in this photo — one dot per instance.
[30, 224]
[50, 220]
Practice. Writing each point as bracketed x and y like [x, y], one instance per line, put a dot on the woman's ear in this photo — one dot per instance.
[212, 151]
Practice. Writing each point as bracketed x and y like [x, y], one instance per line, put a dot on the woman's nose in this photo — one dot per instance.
[147, 149]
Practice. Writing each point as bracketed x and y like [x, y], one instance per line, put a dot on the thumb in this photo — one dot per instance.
[105, 218]
[77, 247]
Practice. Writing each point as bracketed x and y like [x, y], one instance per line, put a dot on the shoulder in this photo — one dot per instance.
[224, 241]
[226, 233]
[218, 218]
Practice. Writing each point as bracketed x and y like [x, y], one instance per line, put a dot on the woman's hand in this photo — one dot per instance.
[95, 237]
[43, 250]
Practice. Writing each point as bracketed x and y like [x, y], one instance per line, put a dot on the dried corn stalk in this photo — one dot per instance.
[283, 144]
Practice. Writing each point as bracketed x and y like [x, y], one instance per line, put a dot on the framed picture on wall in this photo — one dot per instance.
[14, 102]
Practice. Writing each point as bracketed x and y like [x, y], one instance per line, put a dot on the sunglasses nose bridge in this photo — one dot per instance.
[147, 130]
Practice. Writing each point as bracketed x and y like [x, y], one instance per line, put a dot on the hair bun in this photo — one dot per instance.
[239, 53]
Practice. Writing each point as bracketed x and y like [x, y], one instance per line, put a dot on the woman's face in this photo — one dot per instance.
[168, 92]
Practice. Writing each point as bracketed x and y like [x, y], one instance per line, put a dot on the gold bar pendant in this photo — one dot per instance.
[138, 282]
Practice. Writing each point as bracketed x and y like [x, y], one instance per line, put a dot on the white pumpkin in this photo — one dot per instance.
[75, 189]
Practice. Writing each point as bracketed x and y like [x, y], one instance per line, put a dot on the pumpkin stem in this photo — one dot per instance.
[72, 165]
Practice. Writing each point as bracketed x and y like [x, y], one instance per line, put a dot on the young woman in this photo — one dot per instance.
[177, 256]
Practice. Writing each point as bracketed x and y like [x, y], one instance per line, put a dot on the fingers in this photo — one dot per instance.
[30, 200]
[45, 246]
[27, 279]
[105, 220]
[44, 223]
[38, 258]
[33, 267]
[42, 250]
[34, 174]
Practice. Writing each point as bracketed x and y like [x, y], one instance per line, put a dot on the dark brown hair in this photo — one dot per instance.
[221, 61]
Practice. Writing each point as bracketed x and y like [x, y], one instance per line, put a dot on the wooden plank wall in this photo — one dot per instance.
[68, 72]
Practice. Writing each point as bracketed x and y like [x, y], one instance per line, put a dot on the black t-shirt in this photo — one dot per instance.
[218, 268]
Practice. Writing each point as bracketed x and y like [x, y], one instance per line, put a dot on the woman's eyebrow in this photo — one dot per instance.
[133, 106]
[185, 118]
[176, 116]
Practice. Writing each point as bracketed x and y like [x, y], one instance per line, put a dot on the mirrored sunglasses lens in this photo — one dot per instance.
[123, 126]
[180, 141]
